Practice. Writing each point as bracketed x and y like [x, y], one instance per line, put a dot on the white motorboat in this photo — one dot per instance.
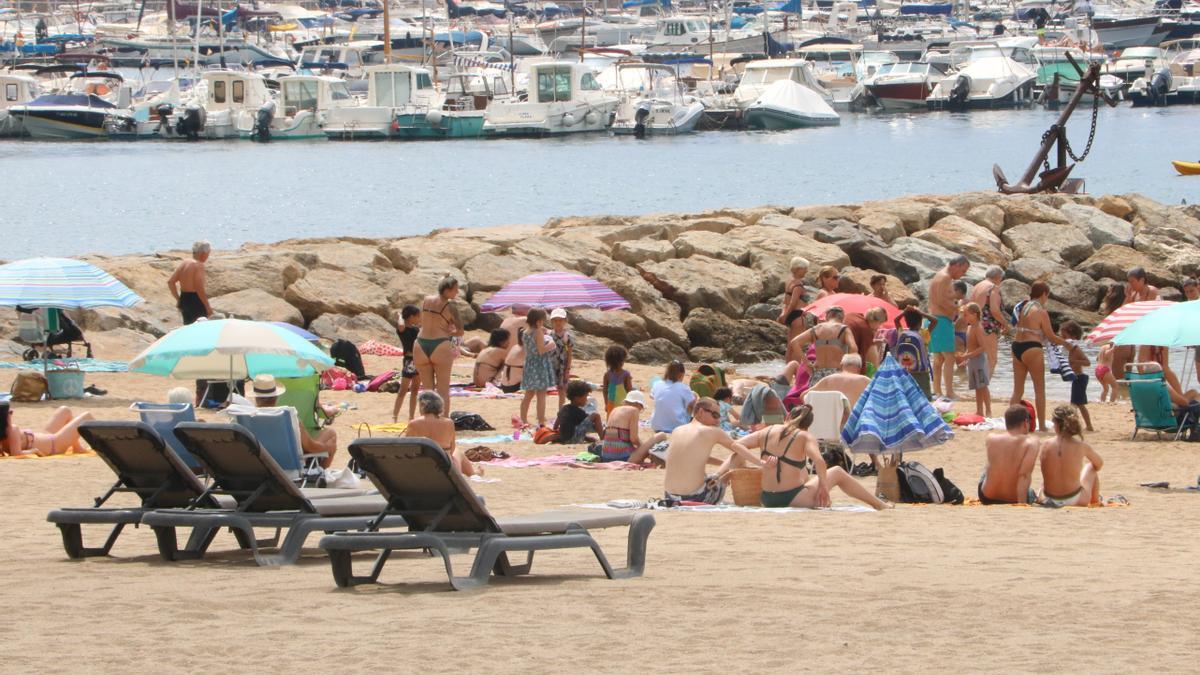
[789, 105]
[224, 96]
[1123, 32]
[836, 68]
[990, 74]
[1137, 62]
[392, 90]
[760, 75]
[95, 100]
[16, 90]
[564, 98]
[693, 35]
[305, 102]
[903, 86]
[652, 100]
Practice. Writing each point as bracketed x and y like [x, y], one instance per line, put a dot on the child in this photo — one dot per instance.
[410, 380]
[879, 289]
[729, 415]
[1104, 374]
[538, 375]
[617, 381]
[976, 359]
[1071, 332]
[913, 318]
[578, 417]
[564, 343]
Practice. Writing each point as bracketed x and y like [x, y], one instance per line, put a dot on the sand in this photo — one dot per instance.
[943, 587]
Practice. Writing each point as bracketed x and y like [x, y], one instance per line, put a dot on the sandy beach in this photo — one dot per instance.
[956, 588]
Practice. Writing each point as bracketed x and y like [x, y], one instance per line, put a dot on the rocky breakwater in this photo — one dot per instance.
[703, 286]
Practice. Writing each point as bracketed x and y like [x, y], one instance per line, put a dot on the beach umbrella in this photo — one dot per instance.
[852, 302]
[1121, 318]
[311, 337]
[551, 290]
[61, 283]
[893, 415]
[230, 349]
[1176, 325]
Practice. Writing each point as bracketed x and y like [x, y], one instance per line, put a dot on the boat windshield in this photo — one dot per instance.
[1141, 53]
[338, 91]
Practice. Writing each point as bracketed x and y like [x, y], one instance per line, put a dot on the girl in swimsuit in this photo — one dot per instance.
[787, 450]
[1070, 467]
[793, 299]
[831, 341]
[439, 325]
[410, 380]
[1032, 329]
[61, 434]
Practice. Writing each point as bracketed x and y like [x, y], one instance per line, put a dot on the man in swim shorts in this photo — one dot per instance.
[1011, 455]
[942, 305]
[689, 453]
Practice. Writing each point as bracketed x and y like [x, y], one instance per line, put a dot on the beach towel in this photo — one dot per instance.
[892, 415]
[85, 453]
[627, 504]
[85, 365]
[375, 348]
[752, 409]
[1057, 362]
[570, 461]
[386, 428]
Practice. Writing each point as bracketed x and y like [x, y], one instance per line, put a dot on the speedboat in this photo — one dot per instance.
[990, 74]
[1136, 62]
[904, 86]
[652, 100]
[86, 111]
[836, 68]
[789, 105]
[305, 100]
[17, 90]
[564, 98]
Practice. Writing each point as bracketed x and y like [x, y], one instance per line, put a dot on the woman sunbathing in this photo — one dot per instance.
[61, 434]
[440, 430]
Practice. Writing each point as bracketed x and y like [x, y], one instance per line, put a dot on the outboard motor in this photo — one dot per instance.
[639, 119]
[262, 122]
[164, 112]
[1160, 85]
[191, 123]
[960, 93]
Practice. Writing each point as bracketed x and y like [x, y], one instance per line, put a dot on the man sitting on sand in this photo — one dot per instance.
[1066, 479]
[690, 451]
[848, 380]
[1011, 455]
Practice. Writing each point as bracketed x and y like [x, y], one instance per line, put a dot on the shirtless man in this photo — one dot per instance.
[941, 340]
[1138, 289]
[850, 381]
[690, 450]
[1011, 455]
[187, 285]
[1066, 479]
[490, 360]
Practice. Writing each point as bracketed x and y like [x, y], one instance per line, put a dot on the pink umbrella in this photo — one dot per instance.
[1120, 319]
[551, 290]
[852, 302]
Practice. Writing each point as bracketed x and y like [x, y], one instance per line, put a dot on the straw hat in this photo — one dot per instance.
[265, 387]
[637, 397]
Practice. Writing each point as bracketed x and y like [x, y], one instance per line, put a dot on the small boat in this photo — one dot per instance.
[653, 101]
[990, 74]
[789, 105]
[306, 101]
[392, 90]
[903, 86]
[564, 98]
[86, 111]
[1187, 168]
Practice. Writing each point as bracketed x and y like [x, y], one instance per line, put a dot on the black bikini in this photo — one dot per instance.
[782, 498]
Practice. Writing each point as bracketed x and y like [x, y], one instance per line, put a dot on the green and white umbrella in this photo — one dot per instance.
[230, 349]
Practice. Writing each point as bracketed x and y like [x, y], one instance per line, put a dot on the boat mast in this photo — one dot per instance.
[512, 68]
[583, 32]
[387, 32]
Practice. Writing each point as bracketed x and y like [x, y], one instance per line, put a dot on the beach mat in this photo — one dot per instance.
[569, 461]
[71, 454]
[628, 504]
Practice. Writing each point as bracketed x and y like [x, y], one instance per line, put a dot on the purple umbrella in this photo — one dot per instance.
[551, 290]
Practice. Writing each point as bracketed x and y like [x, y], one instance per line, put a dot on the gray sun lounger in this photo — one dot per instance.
[444, 515]
[265, 497]
[146, 466]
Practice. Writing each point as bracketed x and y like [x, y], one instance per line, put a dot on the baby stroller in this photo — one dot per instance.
[45, 328]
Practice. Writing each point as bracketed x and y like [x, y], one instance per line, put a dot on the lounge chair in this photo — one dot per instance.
[145, 466]
[277, 430]
[162, 417]
[1153, 411]
[265, 497]
[444, 515]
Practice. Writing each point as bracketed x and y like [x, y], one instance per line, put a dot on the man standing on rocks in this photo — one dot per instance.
[187, 285]
[941, 340]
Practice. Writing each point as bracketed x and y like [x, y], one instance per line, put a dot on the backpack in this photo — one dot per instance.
[29, 387]
[909, 342]
[469, 421]
[346, 355]
[919, 485]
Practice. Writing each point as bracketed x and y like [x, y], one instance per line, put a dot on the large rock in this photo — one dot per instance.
[744, 340]
[502, 236]
[576, 254]
[966, 202]
[1114, 206]
[1114, 262]
[1075, 289]
[700, 281]
[963, 236]
[619, 326]
[327, 291]
[911, 259]
[347, 256]
[411, 288]
[827, 211]
[772, 250]
[662, 316]
[568, 222]
[656, 352]
[781, 221]
[989, 216]
[1063, 245]
[883, 224]
[1021, 209]
[1099, 227]
[257, 305]
[357, 329]
[447, 251]
[637, 251]
[713, 245]
[491, 272]
[155, 319]
[271, 271]
[715, 224]
[1013, 291]
[841, 233]
[1149, 215]
[913, 214]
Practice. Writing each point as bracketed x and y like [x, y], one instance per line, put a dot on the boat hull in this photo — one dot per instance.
[779, 119]
[418, 126]
[1124, 33]
[69, 123]
[1019, 97]
[1187, 168]
[1141, 99]
[900, 96]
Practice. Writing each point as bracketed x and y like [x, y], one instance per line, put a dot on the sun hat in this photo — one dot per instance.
[559, 313]
[265, 386]
[637, 397]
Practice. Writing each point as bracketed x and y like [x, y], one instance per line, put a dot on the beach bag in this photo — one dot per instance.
[950, 491]
[707, 380]
[29, 387]
[380, 380]
[918, 485]
[909, 343]
[545, 435]
[469, 421]
[346, 355]
[967, 419]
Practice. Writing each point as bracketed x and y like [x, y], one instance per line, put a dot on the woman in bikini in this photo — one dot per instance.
[489, 364]
[787, 450]
[1032, 329]
[60, 435]
[831, 339]
[986, 294]
[1067, 480]
[622, 442]
[792, 315]
[432, 424]
[435, 349]
[827, 281]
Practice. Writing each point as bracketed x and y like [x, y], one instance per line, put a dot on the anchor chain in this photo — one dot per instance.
[1091, 134]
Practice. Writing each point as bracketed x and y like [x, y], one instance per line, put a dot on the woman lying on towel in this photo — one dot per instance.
[787, 452]
[60, 436]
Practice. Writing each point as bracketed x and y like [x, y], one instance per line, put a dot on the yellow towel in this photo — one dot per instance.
[389, 428]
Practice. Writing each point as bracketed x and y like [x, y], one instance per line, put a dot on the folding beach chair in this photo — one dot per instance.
[162, 417]
[276, 429]
[829, 410]
[265, 497]
[1152, 409]
[419, 483]
[301, 393]
[146, 467]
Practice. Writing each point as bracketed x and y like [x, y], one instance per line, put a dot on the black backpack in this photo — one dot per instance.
[919, 485]
[346, 355]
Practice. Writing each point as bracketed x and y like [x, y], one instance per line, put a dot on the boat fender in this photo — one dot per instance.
[434, 117]
[568, 120]
[591, 118]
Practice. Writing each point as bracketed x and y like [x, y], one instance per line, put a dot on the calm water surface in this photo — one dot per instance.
[71, 198]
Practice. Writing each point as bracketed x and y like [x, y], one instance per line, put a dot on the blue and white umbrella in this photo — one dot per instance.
[62, 283]
[893, 415]
[230, 349]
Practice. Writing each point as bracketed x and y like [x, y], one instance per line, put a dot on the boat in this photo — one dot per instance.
[760, 75]
[460, 115]
[17, 90]
[305, 100]
[1164, 88]
[1120, 33]
[564, 98]
[652, 100]
[1136, 62]
[693, 35]
[989, 74]
[904, 86]
[392, 90]
[226, 96]
[789, 105]
[1187, 168]
[836, 67]
[86, 111]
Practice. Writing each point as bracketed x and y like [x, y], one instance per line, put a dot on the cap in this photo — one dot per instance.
[559, 313]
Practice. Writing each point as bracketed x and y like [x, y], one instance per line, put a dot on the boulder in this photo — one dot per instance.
[491, 272]
[645, 229]
[656, 352]
[619, 326]
[965, 202]
[411, 288]
[327, 291]
[1021, 209]
[963, 236]
[1030, 270]
[1075, 289]
[767, 311]
[1013, 291]
[637, 251]
[909, 259]
[590, 347]
[1060, 312]
[715, 224]
[1063, 245]
[574, 254]
[840, 233]
[145, 275]
[1185, 263]
[706, 354]
[567, 222]
[661, 315]
[827, 211]
[273, 271]
[1099, 227]
[1170, 294]
[913, 214]
[700, 281]
[446, 251]
[742, 340]
[347, 256]
[1114, 206]
[503, 236]
[357, 328]
[887, 226]
[1151, 215]
[781, 221]
[399, 255]
[989, 216]
[257, 305]
[1114, 262]
[895, 287]
[155, 319]
[772, 250]
[713, 245]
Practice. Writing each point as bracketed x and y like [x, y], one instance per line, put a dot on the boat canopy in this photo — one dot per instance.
[57, 100]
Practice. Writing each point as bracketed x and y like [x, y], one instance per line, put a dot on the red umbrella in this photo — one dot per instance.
[852, 302]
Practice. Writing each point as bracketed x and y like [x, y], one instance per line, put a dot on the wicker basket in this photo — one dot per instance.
[747, 486]
[887, 482]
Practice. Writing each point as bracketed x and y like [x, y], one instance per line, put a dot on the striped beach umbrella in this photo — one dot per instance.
[893, 415]
[1121, 318]
[62, 283]
[551, 290]
[1177, 325]
[230, 349]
